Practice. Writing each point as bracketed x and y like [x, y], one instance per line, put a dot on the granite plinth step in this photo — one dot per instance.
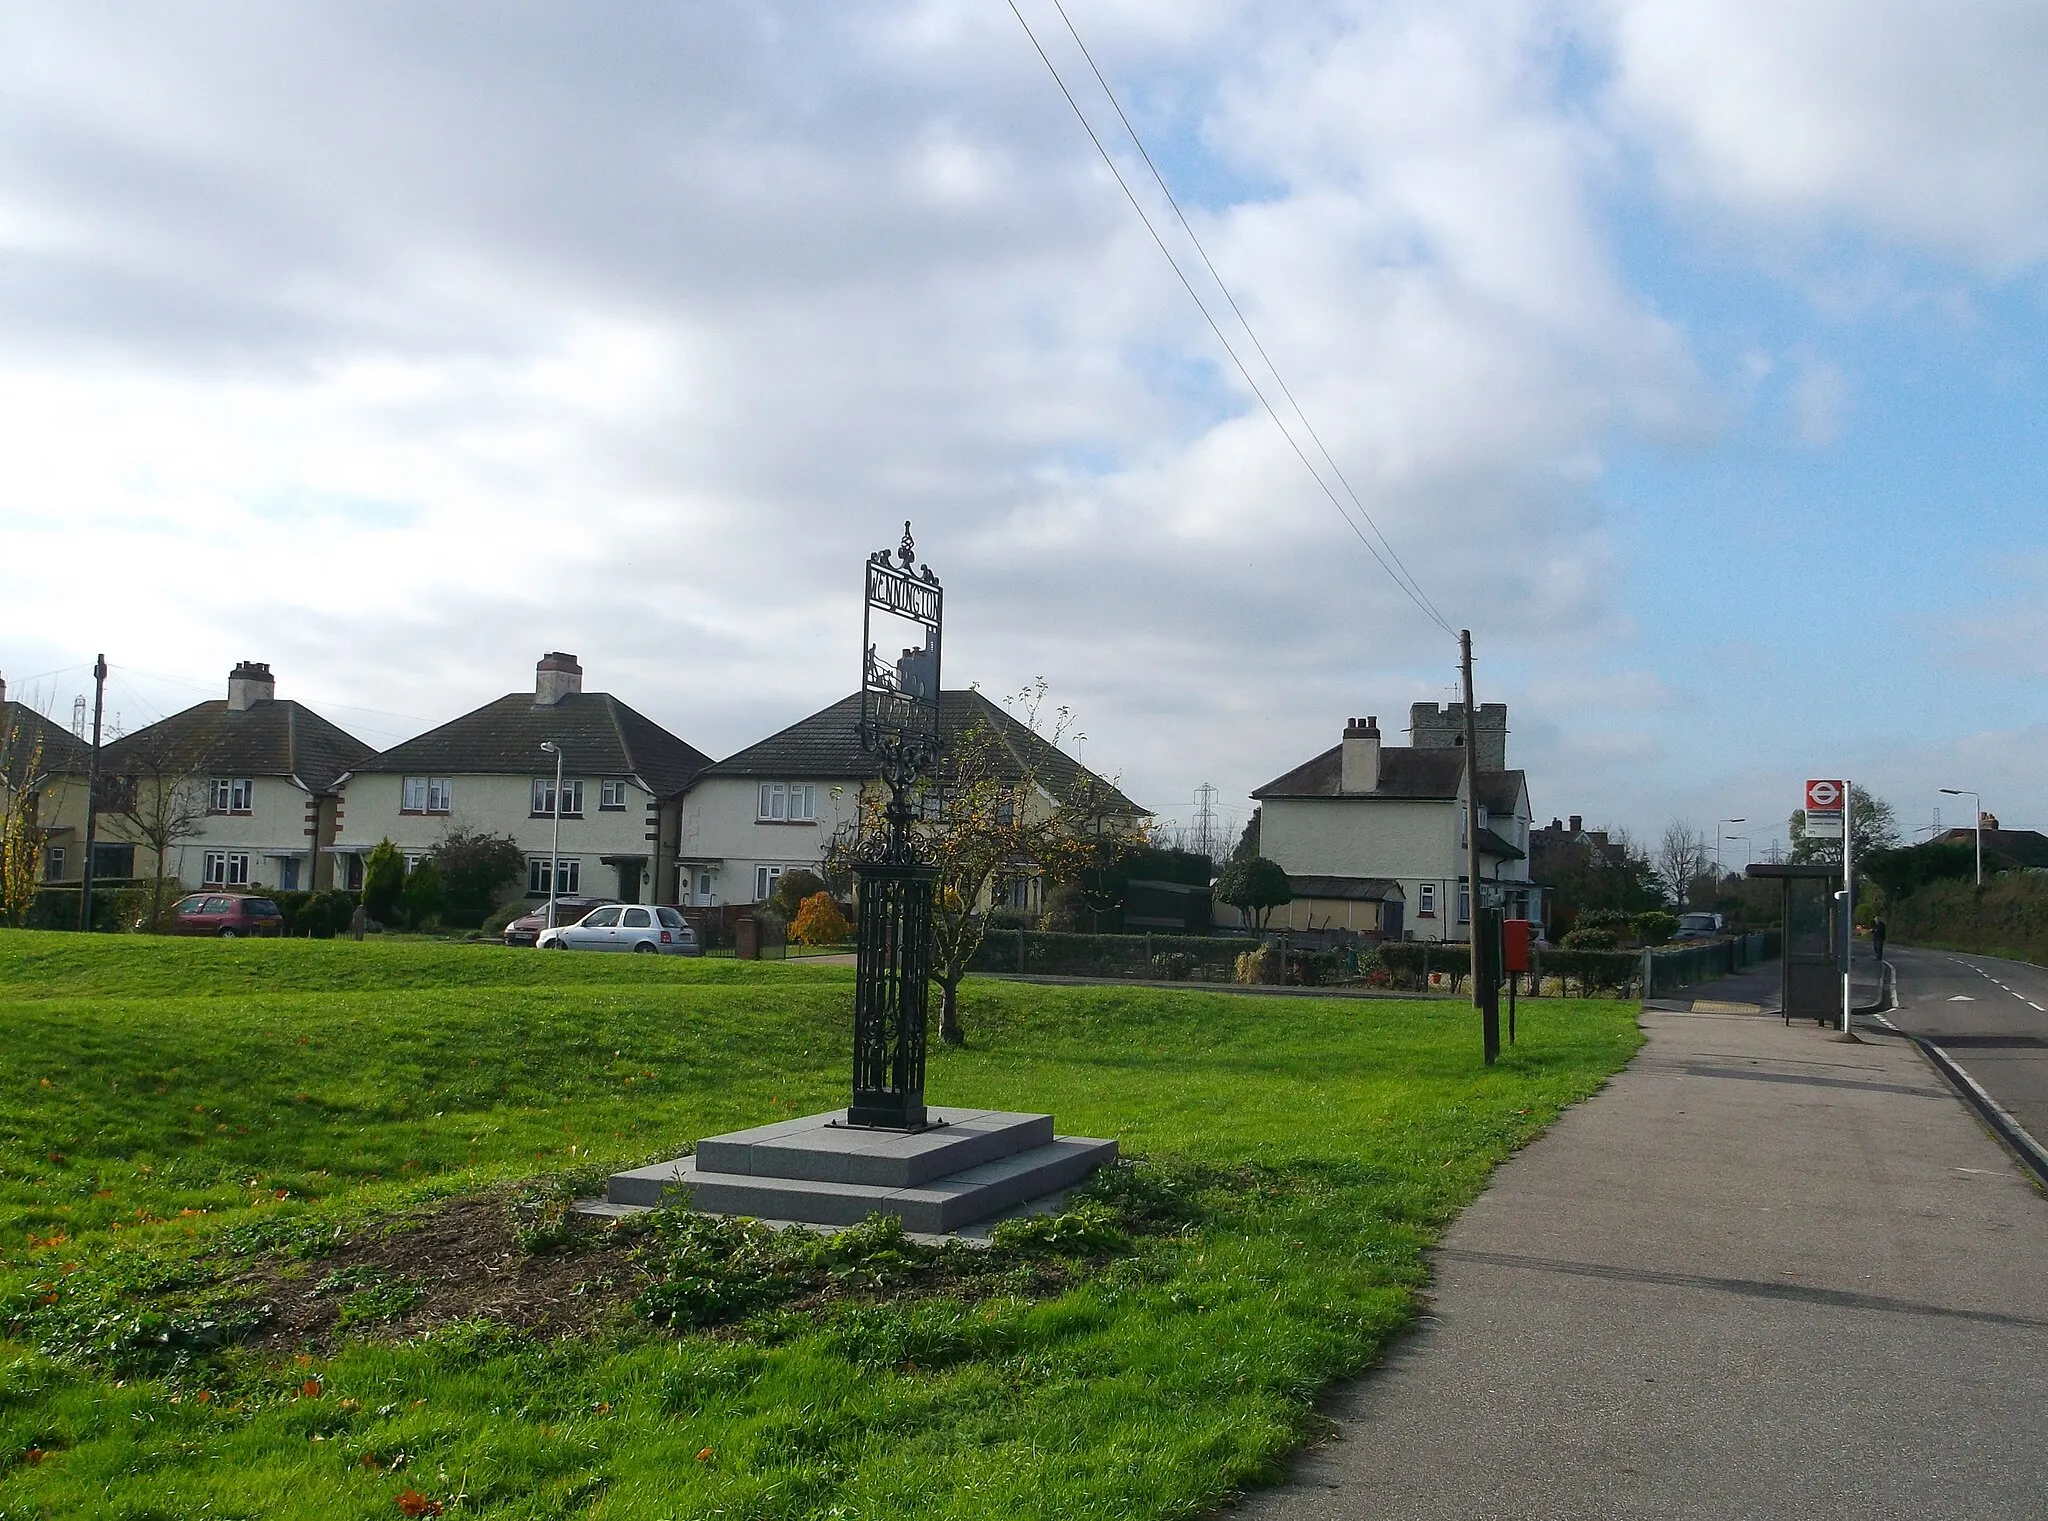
[980, 1164]
[822, 1148]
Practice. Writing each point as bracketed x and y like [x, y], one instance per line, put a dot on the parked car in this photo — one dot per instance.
[1699, 926]
[226, 916]
[626, 927]
[525, 930]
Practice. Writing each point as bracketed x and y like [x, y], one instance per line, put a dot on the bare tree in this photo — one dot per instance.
[991, 813]
[157, 804]
[1682, 857]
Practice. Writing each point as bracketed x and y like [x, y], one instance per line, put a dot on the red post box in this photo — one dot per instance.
[1515, 938]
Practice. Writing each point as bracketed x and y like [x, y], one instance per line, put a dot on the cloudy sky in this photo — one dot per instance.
[1689, 353]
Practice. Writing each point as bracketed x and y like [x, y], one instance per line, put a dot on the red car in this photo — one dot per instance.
[225, 916]
[525, 930]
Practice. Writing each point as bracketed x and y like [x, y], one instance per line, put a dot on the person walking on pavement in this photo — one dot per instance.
[1877, 938]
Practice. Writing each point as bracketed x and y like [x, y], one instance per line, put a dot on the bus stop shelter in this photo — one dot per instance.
[1810, 976]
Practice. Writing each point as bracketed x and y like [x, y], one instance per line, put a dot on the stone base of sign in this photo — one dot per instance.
[820, 1171]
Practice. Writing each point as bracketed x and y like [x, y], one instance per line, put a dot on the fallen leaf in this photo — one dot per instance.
[411, 1502]
[369, 1461]
[33, 1456]
[704, 1455]
[204, 1396]
[351, 1404]
[310, 1388]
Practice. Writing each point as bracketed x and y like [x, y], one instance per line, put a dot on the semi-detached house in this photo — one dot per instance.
[256, 771]
[1373, 836]
[622, 778]
[776, 805]
[49, 760]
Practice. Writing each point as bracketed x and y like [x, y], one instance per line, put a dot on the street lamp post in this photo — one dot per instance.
[549, 747]
[1976, 807]
[1718, 868]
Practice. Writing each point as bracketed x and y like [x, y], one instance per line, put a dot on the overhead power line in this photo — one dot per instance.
[1389, 561]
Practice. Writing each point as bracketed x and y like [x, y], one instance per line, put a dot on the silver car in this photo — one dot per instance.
[651, 931]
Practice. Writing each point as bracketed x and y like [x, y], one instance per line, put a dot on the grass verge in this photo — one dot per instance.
[243, 1187]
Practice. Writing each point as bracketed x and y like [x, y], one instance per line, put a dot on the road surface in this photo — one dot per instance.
[1990, 1017]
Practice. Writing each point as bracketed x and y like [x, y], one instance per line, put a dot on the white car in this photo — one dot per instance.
[626, 927]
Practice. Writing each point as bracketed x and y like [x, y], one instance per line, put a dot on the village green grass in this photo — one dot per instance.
[157, 1093]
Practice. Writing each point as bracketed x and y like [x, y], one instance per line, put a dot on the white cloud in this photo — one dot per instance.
[1920, 123]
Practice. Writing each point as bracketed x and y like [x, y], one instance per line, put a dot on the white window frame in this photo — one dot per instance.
[766, 880]
[786, 803]
[611, 795]
[544, 798]
[242, 795]
[53, 863]
[1425, 901]
[217, 794]
[424, 794]
[568, 877]
[224, 868]
[1464, 903]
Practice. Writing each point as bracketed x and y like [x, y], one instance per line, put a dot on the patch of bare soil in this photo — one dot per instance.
[461, 1260]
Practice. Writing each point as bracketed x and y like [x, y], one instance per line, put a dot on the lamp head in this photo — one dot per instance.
[550, 747]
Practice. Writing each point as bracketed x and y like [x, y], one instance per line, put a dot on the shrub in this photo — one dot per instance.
[474, 865]
[793, 890]
[1589, 940]
[383, 882]
[1655, 927]
[423, 895]
[818, 921]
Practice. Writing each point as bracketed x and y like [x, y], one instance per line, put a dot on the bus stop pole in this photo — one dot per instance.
[1848, 897]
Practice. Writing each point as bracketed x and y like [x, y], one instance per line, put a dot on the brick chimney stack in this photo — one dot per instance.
[555, 676]
[1360, 767]
[250, 683]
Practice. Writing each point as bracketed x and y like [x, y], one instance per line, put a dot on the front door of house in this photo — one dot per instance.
[629, 881]
[1390, 918]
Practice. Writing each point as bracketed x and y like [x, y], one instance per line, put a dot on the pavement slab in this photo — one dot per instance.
[1764, 1273]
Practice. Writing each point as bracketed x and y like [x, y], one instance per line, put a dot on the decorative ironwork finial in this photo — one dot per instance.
[907, 550]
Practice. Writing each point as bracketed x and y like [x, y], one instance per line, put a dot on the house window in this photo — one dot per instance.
[240, 793]
[611, 795]
[425, 794]
[1425, 901]
[568, 875]
[1464, 903]
[53, 864]
[766, 879]
[544, 798]
[788, 803]
[225, 868]
[412, 863]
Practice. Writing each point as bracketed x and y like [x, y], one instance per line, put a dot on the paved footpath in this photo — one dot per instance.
[1765, 1273]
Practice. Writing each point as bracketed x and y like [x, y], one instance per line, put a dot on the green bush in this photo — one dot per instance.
[494, 923]
[423, 895]
[1589, 940]
[383, 882]
[2008, 916]
[1655, 927]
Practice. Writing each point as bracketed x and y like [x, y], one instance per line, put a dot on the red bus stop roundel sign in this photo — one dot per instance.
[1824, 801]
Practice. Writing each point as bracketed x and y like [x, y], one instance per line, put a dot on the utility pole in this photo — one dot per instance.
[92, 793]
[1484, 996]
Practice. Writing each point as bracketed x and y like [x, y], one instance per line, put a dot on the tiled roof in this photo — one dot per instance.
[1353, 889]
[1406, 774]
[2022, 847]
[22, 727]
[271, 738]
[599, 736]
[1491, 844]
[827, 746]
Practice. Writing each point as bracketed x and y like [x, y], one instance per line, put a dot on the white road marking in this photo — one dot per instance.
[1962, 998]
